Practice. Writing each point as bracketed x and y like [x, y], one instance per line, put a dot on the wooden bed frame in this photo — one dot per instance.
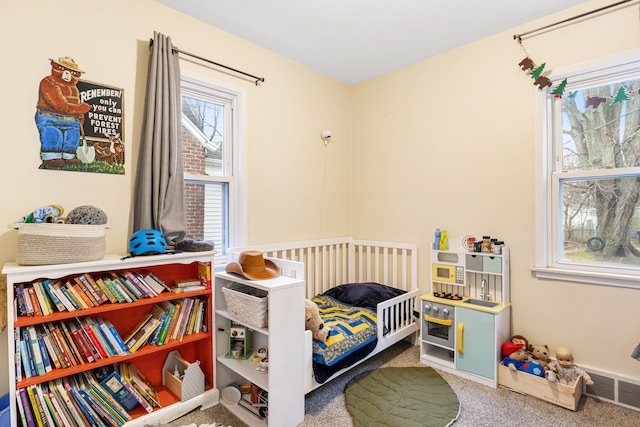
[332, 262]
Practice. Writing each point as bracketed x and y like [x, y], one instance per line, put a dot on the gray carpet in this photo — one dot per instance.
[480, 405]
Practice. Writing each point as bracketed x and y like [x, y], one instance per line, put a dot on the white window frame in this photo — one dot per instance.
[548, 183]
[235, 159]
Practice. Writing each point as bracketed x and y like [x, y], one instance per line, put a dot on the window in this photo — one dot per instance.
[591, 177]
[210, 145]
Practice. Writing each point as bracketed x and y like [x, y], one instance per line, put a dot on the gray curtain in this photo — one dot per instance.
[158, 201]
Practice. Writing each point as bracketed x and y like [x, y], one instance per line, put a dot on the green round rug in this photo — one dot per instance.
[404, 397]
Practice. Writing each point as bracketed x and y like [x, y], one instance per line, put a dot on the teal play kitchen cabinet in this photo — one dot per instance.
[466, 317]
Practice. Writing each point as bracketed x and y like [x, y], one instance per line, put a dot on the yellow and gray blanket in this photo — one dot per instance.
[350, 329]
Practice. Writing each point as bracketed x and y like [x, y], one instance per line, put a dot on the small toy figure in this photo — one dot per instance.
[515, 358]
[565, 371]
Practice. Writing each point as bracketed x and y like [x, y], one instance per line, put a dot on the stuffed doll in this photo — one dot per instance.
[563, 369]
[539, 354]
[313, 321]
[515, 358]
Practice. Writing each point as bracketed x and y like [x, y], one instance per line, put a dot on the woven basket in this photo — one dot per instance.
[248, 305]
[42, 244]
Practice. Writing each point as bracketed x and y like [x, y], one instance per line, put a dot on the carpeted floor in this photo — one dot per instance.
[480, 405]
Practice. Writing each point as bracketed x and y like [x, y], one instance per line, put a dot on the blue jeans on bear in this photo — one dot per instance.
[59, 135]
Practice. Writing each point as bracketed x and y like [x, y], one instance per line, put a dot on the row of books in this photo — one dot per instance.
[63, 344]
[44, 297]
[102, 398]
[168, 320]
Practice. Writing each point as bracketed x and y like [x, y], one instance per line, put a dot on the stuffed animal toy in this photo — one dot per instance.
[519, 339]
[515, 358]
[313, 321]
[539, 354]
[49, 213]
[564, 371]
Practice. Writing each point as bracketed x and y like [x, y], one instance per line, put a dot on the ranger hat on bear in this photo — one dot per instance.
[67, 62]
[252, 265]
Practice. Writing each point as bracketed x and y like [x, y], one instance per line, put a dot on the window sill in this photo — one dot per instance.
[584, 276]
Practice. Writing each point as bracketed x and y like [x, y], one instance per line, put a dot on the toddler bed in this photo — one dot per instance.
[377, 278]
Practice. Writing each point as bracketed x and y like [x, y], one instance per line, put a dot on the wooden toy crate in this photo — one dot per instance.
[190, 380]
[558, 394]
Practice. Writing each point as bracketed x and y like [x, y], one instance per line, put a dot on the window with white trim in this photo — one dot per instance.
[590, 176]
[211, 170]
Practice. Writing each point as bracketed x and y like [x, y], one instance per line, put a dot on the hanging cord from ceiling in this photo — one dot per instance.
[257, 79]
[626, 3]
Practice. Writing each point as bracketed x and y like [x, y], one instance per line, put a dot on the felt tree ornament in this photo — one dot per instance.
[559, 90]
[621, 96]
[536, 72]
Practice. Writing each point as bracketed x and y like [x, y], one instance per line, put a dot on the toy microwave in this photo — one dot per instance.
[447, 273]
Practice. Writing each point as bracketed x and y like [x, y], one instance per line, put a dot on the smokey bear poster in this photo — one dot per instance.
[80, 122]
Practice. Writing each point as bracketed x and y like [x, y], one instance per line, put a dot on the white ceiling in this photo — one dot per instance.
[356, 40]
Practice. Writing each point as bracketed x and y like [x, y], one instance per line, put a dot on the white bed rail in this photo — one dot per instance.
[332, 262]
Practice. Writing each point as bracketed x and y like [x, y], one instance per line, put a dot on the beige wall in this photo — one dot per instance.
[448, 142]
[285, 156]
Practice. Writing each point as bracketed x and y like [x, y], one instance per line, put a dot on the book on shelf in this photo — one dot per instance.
[108, 333]
[139, 324]
[183, 321]
[44, 352]
[26, 406]
[104, 395]
[50, 344]
[86, 350]
[174, 321]
[57, 289]
[41, 298]
[35, 349]
[117, 336]
[16, 353]
[185, 283]
[72, 291]
[56, 334]
[170, 308]
[92, 323]
[33, 299]
[56, 409]
[60, 404]
[112, 296]
[72, 408]
[112, 383]
[89, 415]
[21, 411]
[141, 384]
[104, 415]
[133, 289]
[70, 298]
[190, 289]
[45, 406]
[87, 290]
[90, 333]
[154, 282]
[143, 334]
[48, 287]
[117, 289]
[36, 407]
[70, 345]
[88, 280]
[204, 273]
[18, 289]
[156, 333]
[130, 290]
[140, 284]
[28, 364]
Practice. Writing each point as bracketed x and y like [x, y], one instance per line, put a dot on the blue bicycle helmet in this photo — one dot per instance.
[147, 242]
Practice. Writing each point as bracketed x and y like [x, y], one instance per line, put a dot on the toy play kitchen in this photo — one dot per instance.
[467, 315]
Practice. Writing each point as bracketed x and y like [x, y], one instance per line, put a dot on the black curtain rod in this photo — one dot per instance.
[519, 36]
[176, 50]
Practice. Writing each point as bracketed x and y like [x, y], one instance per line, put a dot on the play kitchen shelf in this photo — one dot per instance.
[279, 328]
[467, 315]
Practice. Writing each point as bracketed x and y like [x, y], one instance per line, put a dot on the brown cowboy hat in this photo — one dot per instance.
[253, 266]
[67, 62]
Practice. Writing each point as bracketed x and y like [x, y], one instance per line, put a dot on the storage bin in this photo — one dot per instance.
[43, 244]
[246, 304]
[474, 262]
[492, 264]
[558, 394]
[190, 380]
[5, 415]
